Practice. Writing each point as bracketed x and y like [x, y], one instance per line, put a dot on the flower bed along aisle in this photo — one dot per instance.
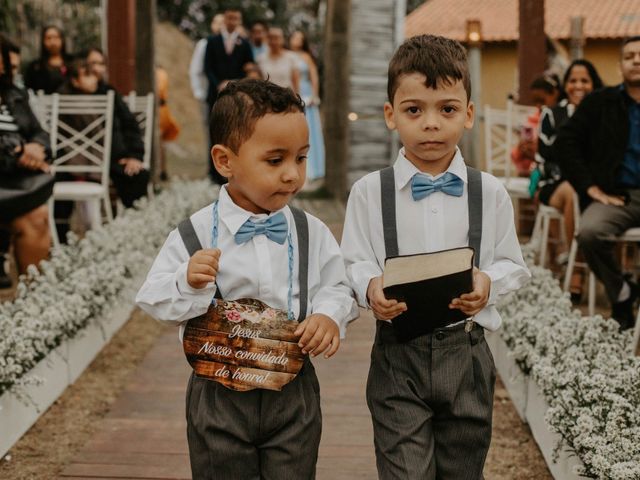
[581, 368]
[63, 315]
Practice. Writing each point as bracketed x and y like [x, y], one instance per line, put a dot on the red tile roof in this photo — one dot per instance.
[499, 18]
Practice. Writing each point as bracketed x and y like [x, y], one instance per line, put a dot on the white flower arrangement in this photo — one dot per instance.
[84, 278]
[584, 369]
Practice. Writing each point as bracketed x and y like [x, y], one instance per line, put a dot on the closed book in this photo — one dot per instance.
[427, 283]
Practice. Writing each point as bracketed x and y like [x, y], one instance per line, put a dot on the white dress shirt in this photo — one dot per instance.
[437, 222]
[199, 82]
[257, 269]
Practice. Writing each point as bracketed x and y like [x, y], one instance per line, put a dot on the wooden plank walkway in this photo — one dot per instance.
[144, 435]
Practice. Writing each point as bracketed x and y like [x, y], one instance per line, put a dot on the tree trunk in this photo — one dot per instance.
[532, 48]
[121, 44]
[337, 61]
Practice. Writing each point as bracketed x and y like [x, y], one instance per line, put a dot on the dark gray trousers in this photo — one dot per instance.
[597, 224]
[254, 435]
[431, 401]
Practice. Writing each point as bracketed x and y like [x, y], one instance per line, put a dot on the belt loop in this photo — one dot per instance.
[378, 339]
[470, 327]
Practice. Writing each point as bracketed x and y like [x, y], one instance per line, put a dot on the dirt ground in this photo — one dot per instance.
[50, 444]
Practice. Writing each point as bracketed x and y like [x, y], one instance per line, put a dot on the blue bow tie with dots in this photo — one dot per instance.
[275, 228]
[423, 186]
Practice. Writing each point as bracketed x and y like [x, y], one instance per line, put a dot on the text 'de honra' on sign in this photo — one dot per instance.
[244, 344]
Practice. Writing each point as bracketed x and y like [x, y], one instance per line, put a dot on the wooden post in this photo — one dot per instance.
[398, 37]
[121, 44]
[145, 68]
[145, 54]
[471, 139]
[532, 52]
[336, 96]
[577, 37]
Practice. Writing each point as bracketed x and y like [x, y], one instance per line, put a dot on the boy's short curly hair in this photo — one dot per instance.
[242, 103]
[440, 59]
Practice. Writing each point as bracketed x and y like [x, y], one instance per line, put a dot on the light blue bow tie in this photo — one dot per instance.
[275, 228]
[422, 186]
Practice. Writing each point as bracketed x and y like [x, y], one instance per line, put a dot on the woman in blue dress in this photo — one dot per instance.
[309, 87]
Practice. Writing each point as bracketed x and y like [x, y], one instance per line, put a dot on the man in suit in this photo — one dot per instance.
[598, 149]
[226, 58]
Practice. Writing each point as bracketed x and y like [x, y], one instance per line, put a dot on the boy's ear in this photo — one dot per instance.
[471, 113]
[221, 157]
[388, 116]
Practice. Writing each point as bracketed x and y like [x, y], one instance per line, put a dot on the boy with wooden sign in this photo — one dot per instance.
[267, 252]
[431, 396]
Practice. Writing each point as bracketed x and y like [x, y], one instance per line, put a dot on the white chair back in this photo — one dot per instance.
[42, 104]
[501, 130]
[92, 142]
[142, 108]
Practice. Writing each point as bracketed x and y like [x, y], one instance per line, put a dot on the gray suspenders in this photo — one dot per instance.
[389, 224]
[191, 242]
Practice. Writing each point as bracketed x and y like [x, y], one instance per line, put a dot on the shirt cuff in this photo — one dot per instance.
[361, 275]
[335, 313]
[200, 296]
[502, 284]
[493, 291]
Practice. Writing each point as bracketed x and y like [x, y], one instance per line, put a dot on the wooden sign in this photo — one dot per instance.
[244, 344]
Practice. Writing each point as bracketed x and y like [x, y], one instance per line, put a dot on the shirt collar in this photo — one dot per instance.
[234, 216]
[405, 170]
[627, 98]
[226, 34]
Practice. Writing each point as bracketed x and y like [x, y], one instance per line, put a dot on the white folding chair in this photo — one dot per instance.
[501, 129]
[92, 143]
[42, 105]
[632, 235]
[501, 136]
[142, 108]
[540, 235]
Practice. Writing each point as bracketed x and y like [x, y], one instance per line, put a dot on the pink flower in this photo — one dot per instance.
[269, 314]
[233, 316]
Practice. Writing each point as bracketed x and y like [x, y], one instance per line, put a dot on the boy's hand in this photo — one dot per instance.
[203, 267]
[382, 308]
[319, 334]
[472, 303]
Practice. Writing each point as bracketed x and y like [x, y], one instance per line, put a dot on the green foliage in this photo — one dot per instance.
[23, 21]
[194, 16]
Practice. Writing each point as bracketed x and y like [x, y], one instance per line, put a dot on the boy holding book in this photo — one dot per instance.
[431, 397]
[266, 251]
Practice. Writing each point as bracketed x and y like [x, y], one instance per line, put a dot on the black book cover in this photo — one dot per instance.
[427, 283]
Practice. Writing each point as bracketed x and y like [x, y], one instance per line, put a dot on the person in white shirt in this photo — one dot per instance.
[431, 397]
[278, 64]
[197, 77]
[260, 145]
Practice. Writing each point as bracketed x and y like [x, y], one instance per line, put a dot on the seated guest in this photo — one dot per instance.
[580, 79]
[545, 92]
[24, 190]
[127, 172]
[598, 150]
[48, 72]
